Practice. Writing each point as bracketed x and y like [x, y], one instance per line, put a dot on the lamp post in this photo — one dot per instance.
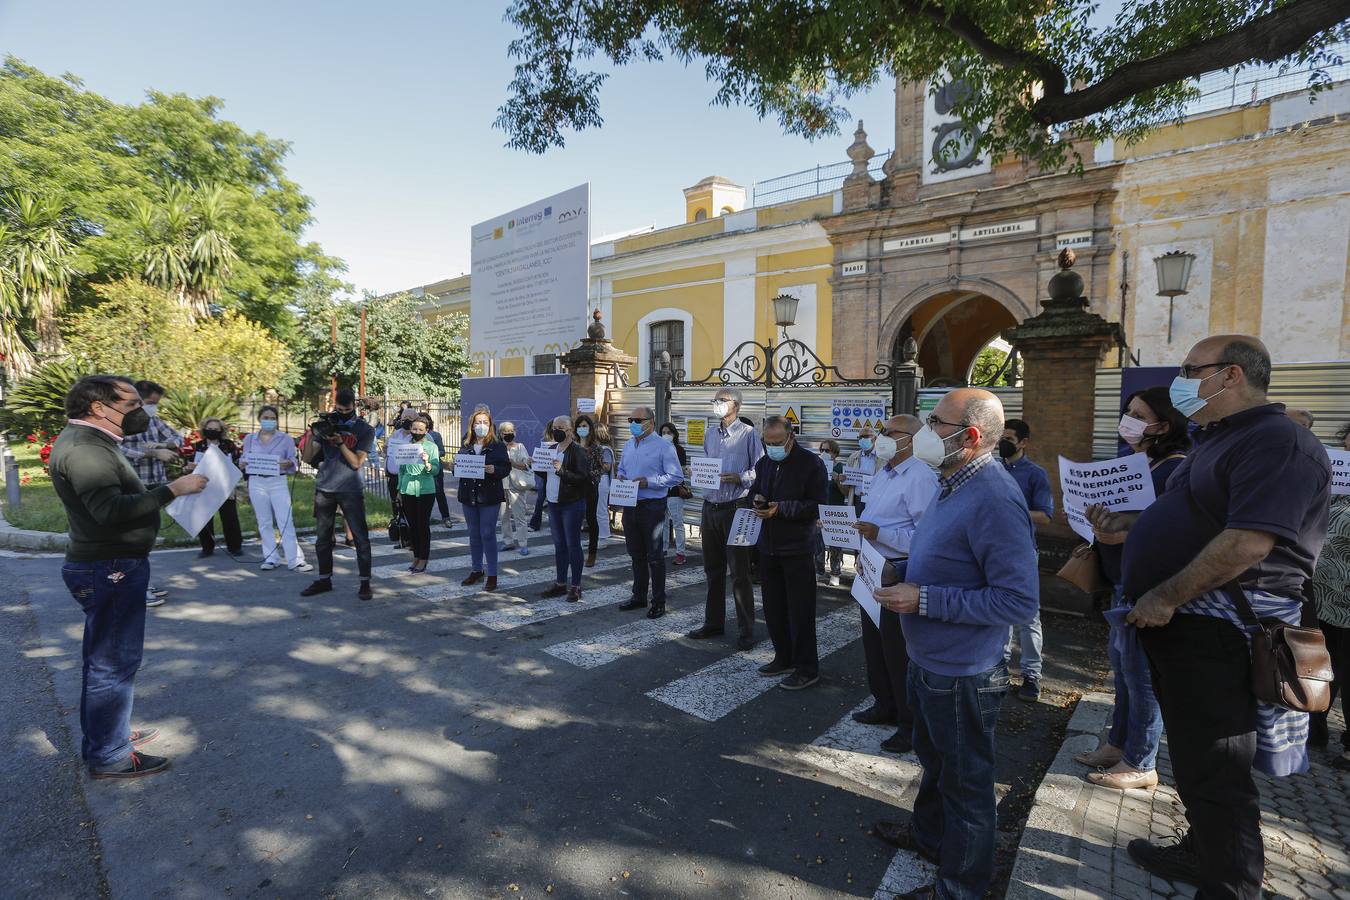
[784, 317]
[1174, 272]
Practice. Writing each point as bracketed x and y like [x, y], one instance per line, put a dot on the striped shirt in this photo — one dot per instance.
[134, 447]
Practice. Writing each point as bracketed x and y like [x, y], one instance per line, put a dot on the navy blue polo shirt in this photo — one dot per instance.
[1035, 485]
[1255, 470]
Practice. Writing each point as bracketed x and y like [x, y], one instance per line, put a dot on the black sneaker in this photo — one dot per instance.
[798, 682]
[1030, 691]
[774, 668]
[633, 603]
[317, 586]
[364, 592]
[1174, 862]
[745, 642]
[203, 554]
[705, 631]
[900, 742]
[874, 715]
[657, 611]
[134, 766]
[899, 836]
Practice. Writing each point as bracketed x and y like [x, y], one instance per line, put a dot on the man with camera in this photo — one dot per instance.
[338, 444]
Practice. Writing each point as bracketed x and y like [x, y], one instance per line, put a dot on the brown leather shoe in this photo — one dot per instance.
[1104, 757]
[491, 584]
[574, 594]
[474, 578]
[1123, 777]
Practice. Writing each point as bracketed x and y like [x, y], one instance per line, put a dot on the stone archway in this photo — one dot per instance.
[951, 324]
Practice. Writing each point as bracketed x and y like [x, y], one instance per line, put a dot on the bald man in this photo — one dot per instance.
[1301, 416]
[971, 574]
[1237, 532]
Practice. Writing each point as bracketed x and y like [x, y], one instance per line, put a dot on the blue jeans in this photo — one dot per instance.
[1136, 719]
[1030, 637]
[482, 522]
[112, 594]
[565, 523]
[644, 528]
[954, 812]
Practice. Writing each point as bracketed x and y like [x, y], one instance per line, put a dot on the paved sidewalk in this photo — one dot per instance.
[1075, 838]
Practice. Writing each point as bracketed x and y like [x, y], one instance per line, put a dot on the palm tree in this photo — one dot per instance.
[15, 356]
[40, 254]
[164, 234]
[211, 255]
[186, 247]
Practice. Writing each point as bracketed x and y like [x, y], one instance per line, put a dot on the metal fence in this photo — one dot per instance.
[1224, 90]
[810, 182]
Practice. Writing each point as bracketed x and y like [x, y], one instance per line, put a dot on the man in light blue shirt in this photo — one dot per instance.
[739, 447]
[652, 463]
[901, 490]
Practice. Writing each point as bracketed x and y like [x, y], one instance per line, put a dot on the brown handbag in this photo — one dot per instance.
[1291, 667]
[1084, 570]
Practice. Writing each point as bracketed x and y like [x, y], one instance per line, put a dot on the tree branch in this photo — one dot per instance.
[1268, 38]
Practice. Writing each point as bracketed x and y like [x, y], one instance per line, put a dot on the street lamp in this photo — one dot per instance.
[785, 311]
[1174, 272]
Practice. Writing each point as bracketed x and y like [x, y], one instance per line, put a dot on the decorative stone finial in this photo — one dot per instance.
[1066, 285]
[596, 330]
[860, 152]
[1067, 258]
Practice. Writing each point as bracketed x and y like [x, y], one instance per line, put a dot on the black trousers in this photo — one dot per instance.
[229, 523]
[442, 503]
[788, 585]
[887, 665]
[353, 505]
[1202, 675]
[643, 532]
[1338, 645]
[541, 491]
[418, 511]
[715, 527]
[592, 518]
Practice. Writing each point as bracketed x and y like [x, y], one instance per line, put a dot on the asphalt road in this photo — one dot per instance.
[437, 742]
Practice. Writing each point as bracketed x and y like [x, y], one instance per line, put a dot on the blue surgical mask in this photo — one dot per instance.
[1185, 394]
[583, 431]
[268, 424]
[635, 428]
[865, 443]
[777, 454]
[150, 408]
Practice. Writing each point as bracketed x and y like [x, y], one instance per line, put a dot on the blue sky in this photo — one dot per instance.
[389, 109]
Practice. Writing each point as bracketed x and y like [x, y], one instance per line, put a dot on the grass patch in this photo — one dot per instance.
[41, 510]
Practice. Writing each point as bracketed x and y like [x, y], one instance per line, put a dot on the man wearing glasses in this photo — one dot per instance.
[739, 448]
[653, 464]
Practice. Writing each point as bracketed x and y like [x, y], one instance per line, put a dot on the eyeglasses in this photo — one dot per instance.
[633, 421]
[933, 421]
[1189, 371]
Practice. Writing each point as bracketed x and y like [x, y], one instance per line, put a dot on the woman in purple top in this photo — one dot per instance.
[271, 494]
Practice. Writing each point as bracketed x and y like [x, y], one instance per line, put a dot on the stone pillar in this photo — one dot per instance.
[906, 379]
[1061, 348]
[594, 367]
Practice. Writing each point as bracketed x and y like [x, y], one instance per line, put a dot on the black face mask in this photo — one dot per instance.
[1007, 449]
[508, 437]
[559, 435]
[212, 434]
[135, 422]
[344, 416]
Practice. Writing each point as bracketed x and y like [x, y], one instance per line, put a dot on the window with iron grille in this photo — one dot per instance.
[668, 336]
[546, 364]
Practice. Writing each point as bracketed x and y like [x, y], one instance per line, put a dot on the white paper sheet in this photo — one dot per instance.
[707, 473]
[868, 579]
[585, 404]
[407, 454]
[470, 465]
[836, 526]
[542, 460]
[193, 511]
[623, 493]
[1340, 471]
[1122, 484]
[745, 529]
[261, 464]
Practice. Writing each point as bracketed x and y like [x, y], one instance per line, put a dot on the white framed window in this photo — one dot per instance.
[668, 329]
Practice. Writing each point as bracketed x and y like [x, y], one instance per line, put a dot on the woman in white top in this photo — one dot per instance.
[515, 524]
[270, 493]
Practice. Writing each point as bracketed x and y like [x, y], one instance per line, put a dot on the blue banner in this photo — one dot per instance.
[528, 401]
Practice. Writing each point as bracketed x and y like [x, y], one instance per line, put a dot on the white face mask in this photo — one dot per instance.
[668, 438]
[480, 429]
[150, 408]
[931, 448]
[721, 408]
[885, 448]
[1130, 429]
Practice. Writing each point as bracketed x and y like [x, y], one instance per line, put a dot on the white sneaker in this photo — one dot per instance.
[152, 600]
[268, 566]
[302, 567]
[834, 581]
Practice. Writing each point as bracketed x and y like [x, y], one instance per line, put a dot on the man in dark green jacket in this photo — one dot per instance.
[113, 523]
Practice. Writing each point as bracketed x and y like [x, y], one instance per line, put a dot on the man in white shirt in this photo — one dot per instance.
[902, 488]
[865, 458]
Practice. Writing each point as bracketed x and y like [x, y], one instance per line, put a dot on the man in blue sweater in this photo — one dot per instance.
[971, 574]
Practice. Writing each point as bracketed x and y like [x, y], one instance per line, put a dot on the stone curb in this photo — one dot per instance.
[1047, 856]
[12, 538]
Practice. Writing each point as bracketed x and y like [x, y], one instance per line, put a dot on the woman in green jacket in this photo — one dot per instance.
[417, 486]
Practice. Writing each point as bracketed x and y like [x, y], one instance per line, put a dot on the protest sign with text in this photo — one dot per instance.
[470, 465]
[1340, 471]
[745, 529]
[836, 526]
[867, 580]
[1123, 484]
[542, 460]
[623, 493]
[261, 465]
[707, 473]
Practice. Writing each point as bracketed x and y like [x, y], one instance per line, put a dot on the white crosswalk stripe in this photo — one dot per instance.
[905, 873]
[530, 611]
[717, 689]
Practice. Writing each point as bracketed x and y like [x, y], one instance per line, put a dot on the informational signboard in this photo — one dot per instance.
[694, 430]
[406, 454]
[706, 473]
[470, 465]
[531, 277]
[1340, 471]
[868, 580]
[585, 405]
[745, 529]
[623, 493]
[836, 527]
[1124, 484]
[542, 460]
[260, 464]
[848, 417]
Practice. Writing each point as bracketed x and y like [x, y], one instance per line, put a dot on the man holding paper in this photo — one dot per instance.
[735, 448]
[113, 523]
[902, 489]
[971, 573]
[653, 465]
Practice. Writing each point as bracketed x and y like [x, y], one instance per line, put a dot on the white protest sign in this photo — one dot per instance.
[848, 417]
[406, 454]
[836, 526]
[470, 465]
[1123, 484]
[585, 404]
[542, 461]
[1340, 471]
[193, 511]
[868, 580]
[623, 493]
[261, 464]
[858, 478]
[745, 529]
[707, 473]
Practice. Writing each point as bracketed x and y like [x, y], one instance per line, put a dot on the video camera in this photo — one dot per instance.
[329, 424]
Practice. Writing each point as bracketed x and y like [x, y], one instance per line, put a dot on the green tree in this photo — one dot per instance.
[186, 244]
[1037, 69]
[16, 356]
[38, 251]
[989, 369]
